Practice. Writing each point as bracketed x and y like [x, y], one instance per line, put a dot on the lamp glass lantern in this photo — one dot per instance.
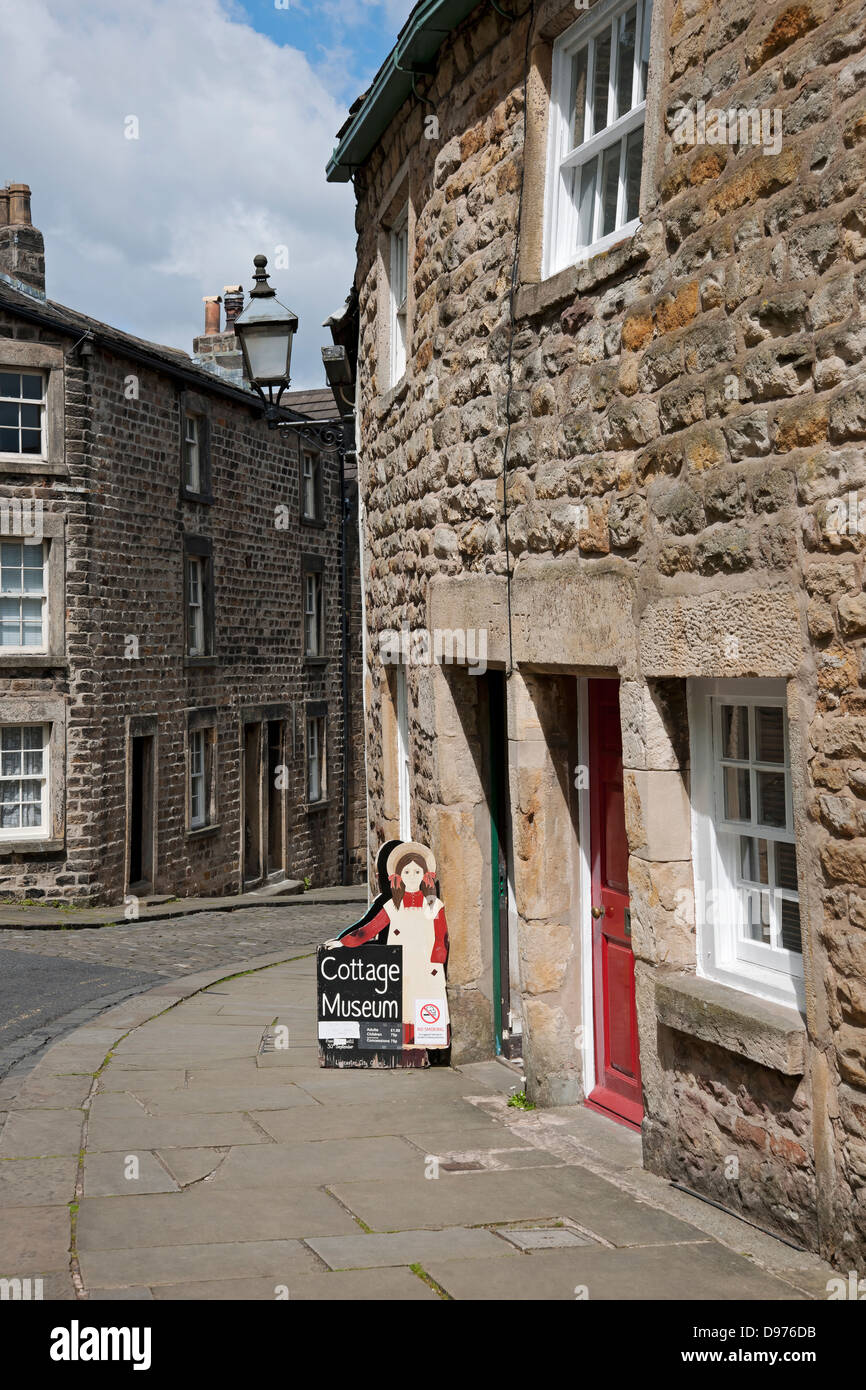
[266, 329]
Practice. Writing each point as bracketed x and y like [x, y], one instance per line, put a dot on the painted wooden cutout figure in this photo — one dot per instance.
[414, 919]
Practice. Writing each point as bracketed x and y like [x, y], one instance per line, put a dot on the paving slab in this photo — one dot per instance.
[458, 1119]
[191, 1165]
[317, 1162]
[34, 1240]
[205, 1100]
[41, 1133]
[409, 1247]
[27, 1182]
[116, 1078]
[167, 1131]
[57, 1092]
[105, 1175]
[356, 1286]
[200, 1216]
[131, 1294]
[458, 1199]
[699, 1272]
[276, 1260]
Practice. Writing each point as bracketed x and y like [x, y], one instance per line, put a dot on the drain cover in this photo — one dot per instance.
[544, 1238]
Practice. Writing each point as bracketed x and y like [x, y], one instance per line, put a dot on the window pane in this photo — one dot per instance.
[601, 82]
[11, 739]
[31, 386]
[735, 731]
[786, 866]
[770, 735]
[610, 187]
[30, 416]
[791, 936]
[753, 859]
[586, 202]
[10, 384]
[645, 48]
[771, 798]
[738, 794]
[9, 414]
[633, 165]
[578, 97]
[31, 814]
[33, 765]
[10, 815]
[8, 441]
[625, 61]
[757, 924]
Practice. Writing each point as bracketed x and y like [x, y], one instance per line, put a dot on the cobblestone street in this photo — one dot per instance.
[51, 981]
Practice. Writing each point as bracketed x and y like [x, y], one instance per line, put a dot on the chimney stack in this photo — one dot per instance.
[212, 304]
[233, 296]
[22, 250]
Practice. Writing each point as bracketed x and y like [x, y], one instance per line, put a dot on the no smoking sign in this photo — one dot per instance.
[431, 1029]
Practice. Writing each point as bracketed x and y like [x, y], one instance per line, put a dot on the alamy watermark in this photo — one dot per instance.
[22, 517]
[443, 646]
[735, 125]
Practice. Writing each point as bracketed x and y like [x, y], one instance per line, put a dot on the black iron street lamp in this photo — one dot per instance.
[266, 330]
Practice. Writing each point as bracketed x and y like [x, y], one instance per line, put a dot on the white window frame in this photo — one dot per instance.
[313, 613]
[403, 779]
[310, 464]
[198, 778]
[30, 832]
[398, 290]
[723, 954]
[43, 644]
[196, 642]
[191, 453]
[316, 769]
[19, 369]
[561, 247]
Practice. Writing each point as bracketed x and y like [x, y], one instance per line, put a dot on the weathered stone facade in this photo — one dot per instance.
[111, 490]
[682, 417]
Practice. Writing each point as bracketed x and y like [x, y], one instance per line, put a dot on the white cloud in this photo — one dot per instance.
[234, 135]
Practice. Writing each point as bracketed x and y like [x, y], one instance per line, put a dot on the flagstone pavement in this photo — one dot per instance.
[174, 1148]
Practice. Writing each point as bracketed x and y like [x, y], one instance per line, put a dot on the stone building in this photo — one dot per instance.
[174, 699]
[612, 410]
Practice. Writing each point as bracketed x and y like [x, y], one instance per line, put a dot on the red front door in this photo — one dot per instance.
[617, 1089]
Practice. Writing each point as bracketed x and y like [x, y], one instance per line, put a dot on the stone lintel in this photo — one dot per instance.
[722, 634]
[770, 1034]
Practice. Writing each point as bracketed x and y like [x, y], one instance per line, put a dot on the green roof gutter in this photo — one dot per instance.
[414, 52]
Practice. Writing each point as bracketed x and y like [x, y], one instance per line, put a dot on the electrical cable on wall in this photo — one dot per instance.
[509, 369]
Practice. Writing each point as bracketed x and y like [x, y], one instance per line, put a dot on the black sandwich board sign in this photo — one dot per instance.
[381, 984]
[360, 995]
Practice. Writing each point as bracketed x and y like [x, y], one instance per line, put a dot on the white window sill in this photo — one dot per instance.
[582, 258]
[625, 248]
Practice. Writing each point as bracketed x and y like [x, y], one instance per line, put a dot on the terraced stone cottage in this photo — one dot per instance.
[177, 712]
[611, 266]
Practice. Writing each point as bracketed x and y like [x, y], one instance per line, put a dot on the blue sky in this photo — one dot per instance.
[345, 40]
[236, 109]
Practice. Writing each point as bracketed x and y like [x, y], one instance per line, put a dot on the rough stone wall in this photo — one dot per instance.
[687, 412]
[124, 578]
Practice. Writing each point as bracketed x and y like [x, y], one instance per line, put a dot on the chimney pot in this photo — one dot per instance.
[19, 204]
[212, 304]
[234, 302]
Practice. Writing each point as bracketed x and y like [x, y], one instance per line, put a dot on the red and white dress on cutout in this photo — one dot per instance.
[420, 928]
